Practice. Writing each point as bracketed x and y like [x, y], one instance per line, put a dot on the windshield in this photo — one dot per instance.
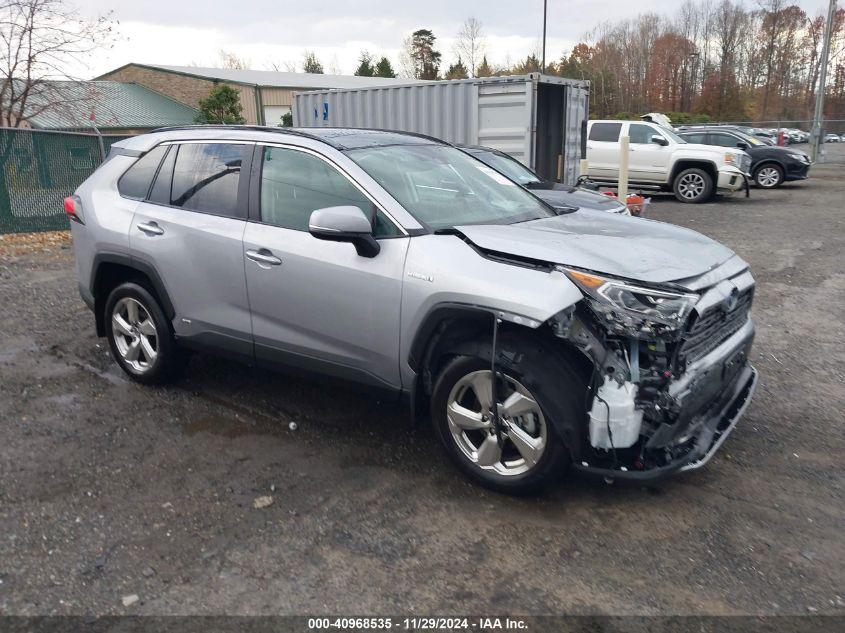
[753, 142]
[443, 187]
[508, 166]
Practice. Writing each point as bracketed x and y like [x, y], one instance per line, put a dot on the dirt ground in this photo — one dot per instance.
[109, 489]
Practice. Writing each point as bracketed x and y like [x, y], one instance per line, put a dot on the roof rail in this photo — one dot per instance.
[251, 128]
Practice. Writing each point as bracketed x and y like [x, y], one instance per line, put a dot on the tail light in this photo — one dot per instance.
[73, 208]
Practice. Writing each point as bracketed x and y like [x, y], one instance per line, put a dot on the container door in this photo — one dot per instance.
[505, 119]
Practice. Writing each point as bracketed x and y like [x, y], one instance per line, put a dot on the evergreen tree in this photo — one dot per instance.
[365, 65]
[311, 64]
[425, 58]
[222, 105]
[384, 68]
[484, 69]
[457, 70]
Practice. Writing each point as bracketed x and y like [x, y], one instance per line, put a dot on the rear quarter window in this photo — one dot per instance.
[608, 132]
[135, 181]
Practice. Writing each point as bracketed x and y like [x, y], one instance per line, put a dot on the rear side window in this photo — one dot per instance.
[698, 138]
[206, 177]
[135, 182]
[605, 132]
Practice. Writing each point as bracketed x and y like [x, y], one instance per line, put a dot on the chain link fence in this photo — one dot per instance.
[38, 169]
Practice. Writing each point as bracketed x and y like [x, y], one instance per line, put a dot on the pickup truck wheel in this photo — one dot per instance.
[139, 335]
[530, 453]
[769, 176]
[693, 185]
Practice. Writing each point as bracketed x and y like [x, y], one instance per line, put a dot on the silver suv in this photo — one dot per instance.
[534, 338]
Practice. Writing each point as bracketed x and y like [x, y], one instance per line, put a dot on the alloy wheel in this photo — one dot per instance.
[134, 334]
[524, 428]
[691, 186]
[768, 177]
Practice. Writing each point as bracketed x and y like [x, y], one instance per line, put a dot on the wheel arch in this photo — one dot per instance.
[687, 163]
[768, 161]
[111, 269]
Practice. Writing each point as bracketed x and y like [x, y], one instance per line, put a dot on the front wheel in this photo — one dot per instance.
[769, 176]
[693, 185]
[528, 453]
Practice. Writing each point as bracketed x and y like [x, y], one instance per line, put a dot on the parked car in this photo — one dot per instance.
[532, 339]
[831, 138]
[661, 159]
[558, 195]
[771, 166]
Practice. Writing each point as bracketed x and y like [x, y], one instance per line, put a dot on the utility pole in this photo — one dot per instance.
[819, 114]
[543, 62]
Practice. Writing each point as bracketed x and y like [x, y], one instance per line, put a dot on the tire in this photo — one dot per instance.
[693, 186]
[141, 342]
[524, 365]
[769, 176]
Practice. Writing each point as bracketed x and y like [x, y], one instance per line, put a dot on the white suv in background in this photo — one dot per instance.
[661, 159]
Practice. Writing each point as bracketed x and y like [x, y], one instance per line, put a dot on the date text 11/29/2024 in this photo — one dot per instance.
[418, 624]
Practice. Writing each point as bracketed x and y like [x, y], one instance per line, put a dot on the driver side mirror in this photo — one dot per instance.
[742, 145]
[659, 140]
[345, 224]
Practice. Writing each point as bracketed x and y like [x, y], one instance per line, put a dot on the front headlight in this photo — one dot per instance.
[802, 157]
[631, 309]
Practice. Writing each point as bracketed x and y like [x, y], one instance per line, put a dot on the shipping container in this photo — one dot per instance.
[538, 119]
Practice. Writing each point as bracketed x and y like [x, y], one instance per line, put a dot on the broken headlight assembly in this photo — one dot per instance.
[633, 310]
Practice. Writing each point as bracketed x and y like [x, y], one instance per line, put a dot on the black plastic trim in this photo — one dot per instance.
[278, 359]
[146, 268]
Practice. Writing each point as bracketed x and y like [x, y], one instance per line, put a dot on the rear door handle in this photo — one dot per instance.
[264, 256]
[151, 228]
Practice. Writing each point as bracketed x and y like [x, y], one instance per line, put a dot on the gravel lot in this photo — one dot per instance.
[109, 489]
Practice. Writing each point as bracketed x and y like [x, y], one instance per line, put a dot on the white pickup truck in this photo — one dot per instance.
[661, 159]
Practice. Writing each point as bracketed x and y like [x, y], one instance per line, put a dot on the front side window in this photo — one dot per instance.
[206, 177]
[135, 182]
[294, 184]
[442, 187]
[723, 140]
[641, 134]
[607, 132]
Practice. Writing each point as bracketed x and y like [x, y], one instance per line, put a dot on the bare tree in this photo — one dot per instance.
[228, 59]
[39, 41]
[470, 44]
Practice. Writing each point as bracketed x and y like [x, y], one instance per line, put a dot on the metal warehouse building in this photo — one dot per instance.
[265, 95]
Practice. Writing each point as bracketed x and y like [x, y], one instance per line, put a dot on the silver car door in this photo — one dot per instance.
[318, 304]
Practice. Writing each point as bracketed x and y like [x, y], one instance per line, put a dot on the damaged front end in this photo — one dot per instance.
[671, 375]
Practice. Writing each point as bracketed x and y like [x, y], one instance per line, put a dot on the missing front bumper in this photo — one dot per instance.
[710, 437]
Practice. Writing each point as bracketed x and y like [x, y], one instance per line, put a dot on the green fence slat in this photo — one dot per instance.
[38, 170]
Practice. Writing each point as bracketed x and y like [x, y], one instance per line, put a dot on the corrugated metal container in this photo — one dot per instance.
[540, 120]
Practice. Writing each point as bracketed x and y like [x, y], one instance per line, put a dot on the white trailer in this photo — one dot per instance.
[538, 119]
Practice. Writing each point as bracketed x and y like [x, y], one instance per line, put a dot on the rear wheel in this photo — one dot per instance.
[769, 176]
[139, 335]
[535, 390]
[693, 185]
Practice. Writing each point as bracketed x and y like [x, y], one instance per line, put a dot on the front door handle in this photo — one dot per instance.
[151, 228]
[264, 256]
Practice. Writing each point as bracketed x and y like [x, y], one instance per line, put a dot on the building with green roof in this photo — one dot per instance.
[113, 107]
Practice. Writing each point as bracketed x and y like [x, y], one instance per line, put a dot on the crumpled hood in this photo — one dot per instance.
[618, 245]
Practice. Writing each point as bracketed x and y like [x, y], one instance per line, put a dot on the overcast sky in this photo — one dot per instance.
[264, 32]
